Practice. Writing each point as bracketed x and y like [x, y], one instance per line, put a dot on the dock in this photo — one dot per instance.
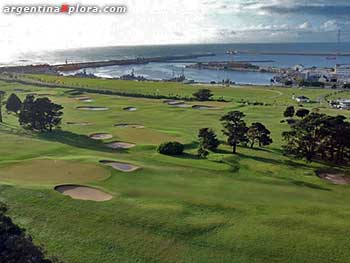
[56, 68]
[320, 54]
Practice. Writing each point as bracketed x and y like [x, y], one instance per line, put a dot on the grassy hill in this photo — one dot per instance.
[256, 206]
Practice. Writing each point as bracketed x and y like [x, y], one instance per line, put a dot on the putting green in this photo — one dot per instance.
[52, 172]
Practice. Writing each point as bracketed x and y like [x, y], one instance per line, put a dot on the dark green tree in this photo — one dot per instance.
[2, 94]
[301, 113]
[258, 133]
[207, 141]
[289, 112]
[203, 94]
[319, 136]
[234, 128]
[202, 152]
[171, 148]
[26, 116]
[13, 103]
[40, 114]
[304, 137]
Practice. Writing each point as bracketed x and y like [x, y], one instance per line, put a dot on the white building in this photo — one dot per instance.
[343, 70]
[343, 104]
[302, 99]
[299, 67]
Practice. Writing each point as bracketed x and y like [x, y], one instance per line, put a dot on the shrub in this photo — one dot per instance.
[15, 245]
[203, 94]
[171, 148]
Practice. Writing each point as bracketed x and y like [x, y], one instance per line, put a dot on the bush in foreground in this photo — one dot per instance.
[15, 246]
[171, 148]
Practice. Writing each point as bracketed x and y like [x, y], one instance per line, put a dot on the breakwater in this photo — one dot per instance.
[55, 69]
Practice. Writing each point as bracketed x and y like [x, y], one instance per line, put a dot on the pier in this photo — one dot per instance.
[55, 69]
[283, 53]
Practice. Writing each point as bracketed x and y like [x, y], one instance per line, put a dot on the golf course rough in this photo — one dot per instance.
[256, 206]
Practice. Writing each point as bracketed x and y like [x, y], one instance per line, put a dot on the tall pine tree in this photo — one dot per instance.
[13, 103]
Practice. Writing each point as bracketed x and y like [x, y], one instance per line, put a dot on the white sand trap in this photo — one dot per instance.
[168, 101]
[84, 99]
[123, 167]
[101, 136]
[83, 193]
[120, 145]
[83, 123]
[204, 107]
[335, 178]
[175, 102]
[130, 109]
[129, 125]
[92, 108]
[181, 105]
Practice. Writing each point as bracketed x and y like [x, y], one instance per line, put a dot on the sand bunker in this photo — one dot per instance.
[334, 177]
[204, 107]
[120, 145]
[177, 103]
[83, 193]
[174, 102]
[101, 136]
[123, 167]
[168, 100]
[130, 109]
[83, 123]
[129, 125]
[84, 99]
[182, 105]
[92, 108]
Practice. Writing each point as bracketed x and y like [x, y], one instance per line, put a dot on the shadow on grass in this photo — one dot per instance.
[274, 161]
[187, 156]
[192, 145]
[287, 163]
[309, 185]
[77, 140]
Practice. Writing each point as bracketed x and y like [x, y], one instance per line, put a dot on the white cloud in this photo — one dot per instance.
[330, 25]
[306, 25]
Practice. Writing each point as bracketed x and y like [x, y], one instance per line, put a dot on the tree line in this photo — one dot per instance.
[312, 135]
[39, 114]
[317, 136]
[234, 128]
[237, 133]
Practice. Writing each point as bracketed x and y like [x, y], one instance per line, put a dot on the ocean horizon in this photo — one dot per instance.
[159, 71]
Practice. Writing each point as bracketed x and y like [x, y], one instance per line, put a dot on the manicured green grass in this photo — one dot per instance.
[256, 206]
[276, 95]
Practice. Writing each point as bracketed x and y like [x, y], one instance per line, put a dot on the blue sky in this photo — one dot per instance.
[149, 22]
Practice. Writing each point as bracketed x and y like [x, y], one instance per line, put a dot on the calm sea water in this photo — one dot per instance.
[168, 70]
